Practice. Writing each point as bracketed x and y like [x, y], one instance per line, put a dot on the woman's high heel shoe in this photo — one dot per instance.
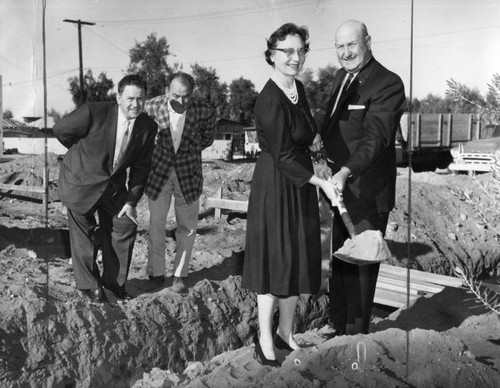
[259, 355]
[281, 344]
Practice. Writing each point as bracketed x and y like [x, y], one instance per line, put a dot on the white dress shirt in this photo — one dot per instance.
[177, 121]
[121, 127]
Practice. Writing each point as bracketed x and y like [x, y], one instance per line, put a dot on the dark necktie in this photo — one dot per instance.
[346, 85]
[348, 82]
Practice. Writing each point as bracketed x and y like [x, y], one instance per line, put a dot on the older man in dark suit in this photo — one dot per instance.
[358, 134]
[186, 127]
[105, 139]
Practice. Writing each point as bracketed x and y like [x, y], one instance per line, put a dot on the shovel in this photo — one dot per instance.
[368, 247]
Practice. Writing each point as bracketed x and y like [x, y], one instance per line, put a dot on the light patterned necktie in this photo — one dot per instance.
[123, 145]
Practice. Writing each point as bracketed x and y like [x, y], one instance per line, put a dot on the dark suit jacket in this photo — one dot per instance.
[198, 134]
[87, 169]
[361, 136]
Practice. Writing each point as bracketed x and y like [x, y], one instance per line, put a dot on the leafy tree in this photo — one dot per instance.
[432, 104]
[471, 102]
[94, 89]
[319, 89]
[319, 86]
[7, 114]
[489, 108]
[326, 75]
[149, 60]
[209, 88]
[242, 100]
[490, 113]
[492, 101]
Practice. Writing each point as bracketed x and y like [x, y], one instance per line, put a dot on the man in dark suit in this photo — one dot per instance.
[186, 127]
[358, 135]
[104, 140]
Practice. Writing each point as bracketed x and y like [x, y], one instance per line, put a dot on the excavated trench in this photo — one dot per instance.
[65, 341]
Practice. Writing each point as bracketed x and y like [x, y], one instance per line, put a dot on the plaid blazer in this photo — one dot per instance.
[198, 134]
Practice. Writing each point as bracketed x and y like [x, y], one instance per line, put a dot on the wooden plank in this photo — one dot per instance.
[396, 288]
[391, 298]
[31, 189]
[218, 203]
[447, 281]
[227, 204]
[418, 132]
[400, 284]
[217, 208]
[469, 130]
[421, 275]
[392, 289]
[440, 130]
[450, 130]
[417, 284]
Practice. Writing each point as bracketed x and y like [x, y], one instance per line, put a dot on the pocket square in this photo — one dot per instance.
[355, 107]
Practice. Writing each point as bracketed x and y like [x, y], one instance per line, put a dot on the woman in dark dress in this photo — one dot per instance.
[283, 252]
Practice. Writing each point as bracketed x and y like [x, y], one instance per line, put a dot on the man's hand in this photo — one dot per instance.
[317, 144]
[322, 171]
[333, 194]
[339, 179]
[130, 211]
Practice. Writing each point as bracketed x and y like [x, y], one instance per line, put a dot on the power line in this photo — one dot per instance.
[108, 42]
[31, 79]
[206, 16]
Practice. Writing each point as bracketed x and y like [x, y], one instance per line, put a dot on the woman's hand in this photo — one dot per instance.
[322, 171]
[317, 143]
[331, 191]
[328, 187]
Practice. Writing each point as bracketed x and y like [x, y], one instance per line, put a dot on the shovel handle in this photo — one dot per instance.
[347, 219]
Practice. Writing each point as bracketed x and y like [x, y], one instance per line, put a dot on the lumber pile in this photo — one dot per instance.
[392, 285]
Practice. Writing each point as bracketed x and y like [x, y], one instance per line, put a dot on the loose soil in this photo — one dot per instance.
[51, 336]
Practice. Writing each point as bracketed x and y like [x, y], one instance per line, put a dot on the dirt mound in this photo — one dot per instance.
[50, 335]
[376, 360]
[446, 225]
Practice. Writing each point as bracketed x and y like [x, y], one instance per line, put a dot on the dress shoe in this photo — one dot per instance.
[156, 281]
[281, 344]
[259, 355]
[178, 285]
[96, 295]
[119, 292]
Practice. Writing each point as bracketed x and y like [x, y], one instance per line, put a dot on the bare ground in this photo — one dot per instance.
[50, 335]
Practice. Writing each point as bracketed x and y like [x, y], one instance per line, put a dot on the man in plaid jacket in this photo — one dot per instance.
[185, 127]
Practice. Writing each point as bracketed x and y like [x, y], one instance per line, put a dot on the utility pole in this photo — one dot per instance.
[1, 120]
[79, 22]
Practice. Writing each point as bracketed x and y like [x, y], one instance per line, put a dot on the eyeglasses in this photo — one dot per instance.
[290, 51]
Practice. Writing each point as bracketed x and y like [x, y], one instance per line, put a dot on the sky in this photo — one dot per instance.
[452, 39]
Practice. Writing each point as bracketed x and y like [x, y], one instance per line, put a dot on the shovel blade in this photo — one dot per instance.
[365, 248]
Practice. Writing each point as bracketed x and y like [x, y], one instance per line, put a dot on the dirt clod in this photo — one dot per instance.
[50, 335]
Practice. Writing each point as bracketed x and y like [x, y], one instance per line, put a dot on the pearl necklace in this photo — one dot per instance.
[291, 93]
